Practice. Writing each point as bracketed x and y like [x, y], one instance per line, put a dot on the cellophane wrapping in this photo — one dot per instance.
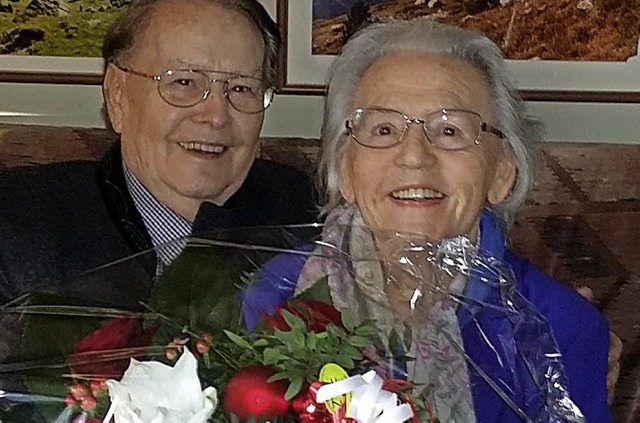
[284, 324]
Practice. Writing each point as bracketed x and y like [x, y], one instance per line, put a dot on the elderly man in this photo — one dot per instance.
[186, 85]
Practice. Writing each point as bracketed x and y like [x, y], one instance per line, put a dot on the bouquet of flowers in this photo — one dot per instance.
[283, 325]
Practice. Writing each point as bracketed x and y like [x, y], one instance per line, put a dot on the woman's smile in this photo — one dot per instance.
[417, 196]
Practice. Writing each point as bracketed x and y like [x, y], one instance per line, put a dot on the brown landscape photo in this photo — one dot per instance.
[589, 30]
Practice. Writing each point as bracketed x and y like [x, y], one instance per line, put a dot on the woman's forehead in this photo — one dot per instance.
[423, 81]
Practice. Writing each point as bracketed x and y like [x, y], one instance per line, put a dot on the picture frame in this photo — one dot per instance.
[51, 70]
[65, 70]
[302, 73]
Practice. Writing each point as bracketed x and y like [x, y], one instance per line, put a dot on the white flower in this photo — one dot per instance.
[152, 392]
[369, 402]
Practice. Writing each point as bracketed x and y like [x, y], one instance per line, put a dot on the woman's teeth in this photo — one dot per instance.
[206, 148]
[417, 194]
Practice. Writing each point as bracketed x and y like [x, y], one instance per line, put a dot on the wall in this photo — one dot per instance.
[300, 116]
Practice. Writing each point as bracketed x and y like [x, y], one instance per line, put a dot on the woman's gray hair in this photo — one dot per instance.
[427, 36]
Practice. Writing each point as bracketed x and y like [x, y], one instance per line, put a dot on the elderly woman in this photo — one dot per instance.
[424, 134]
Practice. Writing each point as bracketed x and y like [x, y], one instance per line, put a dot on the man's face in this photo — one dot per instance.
[185, 156]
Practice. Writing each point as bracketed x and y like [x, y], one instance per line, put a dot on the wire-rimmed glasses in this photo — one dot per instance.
[188, 87]
[448, 129]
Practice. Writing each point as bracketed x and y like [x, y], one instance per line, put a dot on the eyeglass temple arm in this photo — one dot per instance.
[485, 127]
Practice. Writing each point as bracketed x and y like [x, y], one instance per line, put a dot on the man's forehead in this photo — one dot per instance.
[201, 34]
[169, 14]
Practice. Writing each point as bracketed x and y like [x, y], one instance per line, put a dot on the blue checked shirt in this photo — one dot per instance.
[167, 229]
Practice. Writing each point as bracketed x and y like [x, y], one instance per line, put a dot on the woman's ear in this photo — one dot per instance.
[345, 179]
[113, 93]
[504, 179]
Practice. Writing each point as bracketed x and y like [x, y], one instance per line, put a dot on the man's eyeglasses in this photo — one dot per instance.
[186, 88]
[448, 129]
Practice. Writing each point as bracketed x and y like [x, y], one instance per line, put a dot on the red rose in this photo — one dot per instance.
[95, 354]
[248, 394]
[307, 409]
[316, 315]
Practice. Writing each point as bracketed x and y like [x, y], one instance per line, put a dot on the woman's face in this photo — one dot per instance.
[414, 186]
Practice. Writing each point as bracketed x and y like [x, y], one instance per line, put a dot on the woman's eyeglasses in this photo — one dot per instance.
[448, 129]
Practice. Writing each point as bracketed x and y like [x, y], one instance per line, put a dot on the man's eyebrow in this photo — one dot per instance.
[199, 68]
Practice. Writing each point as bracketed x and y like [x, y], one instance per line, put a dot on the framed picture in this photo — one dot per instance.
[54, 42]
[59, 46]
[610, 81]
[51, 70]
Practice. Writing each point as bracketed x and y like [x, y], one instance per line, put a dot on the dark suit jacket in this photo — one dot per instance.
[60, 220]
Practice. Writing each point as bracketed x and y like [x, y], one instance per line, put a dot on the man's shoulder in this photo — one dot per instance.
[283, 189]
[36, 196]
[277, 179]
[44, 177]
[278, 172]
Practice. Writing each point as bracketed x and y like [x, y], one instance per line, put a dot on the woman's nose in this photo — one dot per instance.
[415, 150]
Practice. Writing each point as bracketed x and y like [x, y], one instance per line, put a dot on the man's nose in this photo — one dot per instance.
[214, 109]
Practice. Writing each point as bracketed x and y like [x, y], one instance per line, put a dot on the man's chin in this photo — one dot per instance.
[215, 195]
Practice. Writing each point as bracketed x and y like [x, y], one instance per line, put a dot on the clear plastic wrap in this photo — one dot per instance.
[271, 322]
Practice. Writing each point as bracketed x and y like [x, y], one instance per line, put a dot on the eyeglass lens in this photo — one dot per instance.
[450, 130]
[187, 88]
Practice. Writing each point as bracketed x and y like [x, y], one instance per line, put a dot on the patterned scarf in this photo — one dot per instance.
[360, 278]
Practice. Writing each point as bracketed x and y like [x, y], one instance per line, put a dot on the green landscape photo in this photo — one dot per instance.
[56, 27]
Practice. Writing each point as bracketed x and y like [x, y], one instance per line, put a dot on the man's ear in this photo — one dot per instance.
[113, 92]
[345, 180]
[504, 179]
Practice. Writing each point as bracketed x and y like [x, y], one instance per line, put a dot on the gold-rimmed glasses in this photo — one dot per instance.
[188, 87]
[448, 129]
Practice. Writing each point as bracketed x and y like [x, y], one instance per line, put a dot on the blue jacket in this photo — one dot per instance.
[580, 331]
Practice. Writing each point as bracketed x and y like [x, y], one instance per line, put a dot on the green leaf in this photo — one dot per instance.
[359, 341]
[286, 338]
[278, 376]
[348, 320]
[350, 352]
[238, 340]
[294, 388]
[298, 339]
[367, 328]
[292, 320]
[270, 356]
[366, 331]
[260, 343]
[319, 291]
[199, 289]
[312, 341]
[336, 331]
[345, 362]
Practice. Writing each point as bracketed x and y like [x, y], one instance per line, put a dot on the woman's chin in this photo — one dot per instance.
[427, 231]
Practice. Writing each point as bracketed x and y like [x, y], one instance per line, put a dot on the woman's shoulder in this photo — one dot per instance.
[273, 284]
[579, 329]
[555, 300]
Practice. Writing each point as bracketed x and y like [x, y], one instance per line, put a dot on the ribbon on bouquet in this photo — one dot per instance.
[369, 402]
